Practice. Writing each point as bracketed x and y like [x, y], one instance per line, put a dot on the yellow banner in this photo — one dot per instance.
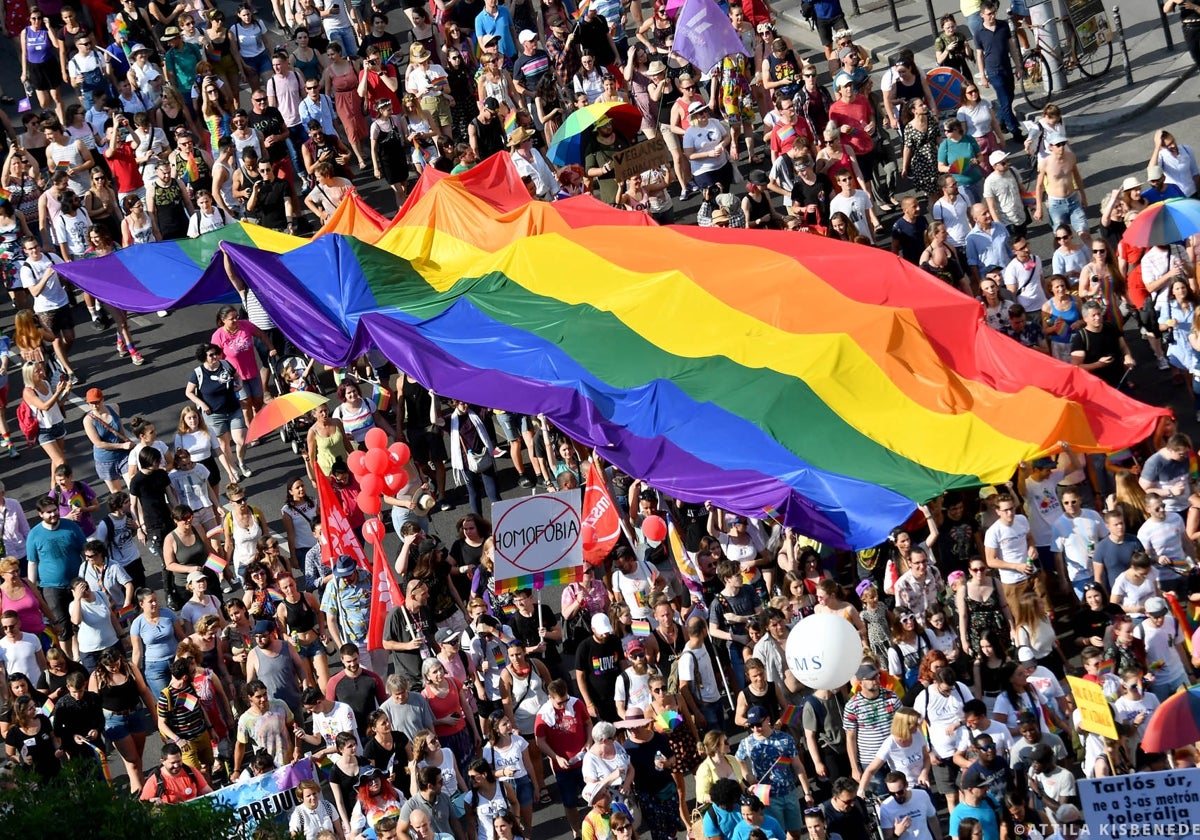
[1096, 715]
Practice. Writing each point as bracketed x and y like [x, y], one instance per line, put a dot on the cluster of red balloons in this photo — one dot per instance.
[378, 469]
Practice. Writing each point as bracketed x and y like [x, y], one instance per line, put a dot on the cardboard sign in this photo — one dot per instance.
[1095, 713]
[539, 540]
[639, 157]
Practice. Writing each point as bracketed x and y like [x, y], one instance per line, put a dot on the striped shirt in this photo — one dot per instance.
[181, 710]
[871, 719]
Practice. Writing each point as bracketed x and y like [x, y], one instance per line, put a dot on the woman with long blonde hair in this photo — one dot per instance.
[1032, 628]
[1130, 499]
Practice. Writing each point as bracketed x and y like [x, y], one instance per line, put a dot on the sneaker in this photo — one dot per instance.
[97, 324]
[122, 350]
[685, 194]
[162, 313]
[1163, 364]
[137, 357]
[12, 452]
[525, 481]
[74, 377]
[245, 471]
[499, 452]
[227, 588]
[444, 505]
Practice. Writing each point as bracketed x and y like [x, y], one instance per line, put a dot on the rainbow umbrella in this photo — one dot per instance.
[283, 410]
[566, 146]
[667, 721]
[1164, 222]
[1176, 723]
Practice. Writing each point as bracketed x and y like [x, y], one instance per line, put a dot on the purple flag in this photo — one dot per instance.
[704, 35]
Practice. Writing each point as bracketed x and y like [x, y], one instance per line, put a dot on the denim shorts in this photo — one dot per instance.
[1067, 210]
[118, 726]
[111, 470]
[312, 649]
[524, 789]
[251, 389]
[56, 432]
[513, 424]
[220, 424]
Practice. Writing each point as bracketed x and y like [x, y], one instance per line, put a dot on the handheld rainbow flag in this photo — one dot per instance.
[959, 166]
[763, 792]
[687, 568]
[425, 153]
[5, 195]
[191, 172]
[510, 123]
[1029, 198]
[790, 715]
[581, 10]
[640, 627]
[47, 708]
[126, 613]
[189, 702]
[1106, 666]
[1180, 613]
[667, 721]
[216, 564]
[508, 609]
[499, 658]
[103, 759]
[772, 512]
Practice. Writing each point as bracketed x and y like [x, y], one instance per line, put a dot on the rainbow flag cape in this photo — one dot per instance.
[763, 792]
[191, 172]
[216, 564]
[667, 721]
[639, 627]
[721, 333]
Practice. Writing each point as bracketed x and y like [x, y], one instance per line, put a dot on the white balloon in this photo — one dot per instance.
[824, 651]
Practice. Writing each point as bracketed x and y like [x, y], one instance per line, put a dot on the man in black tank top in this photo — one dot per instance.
[485, 131]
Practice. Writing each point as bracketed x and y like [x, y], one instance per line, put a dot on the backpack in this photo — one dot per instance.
[673, 674]
[813, 702]
[28, 422]
[158, 785]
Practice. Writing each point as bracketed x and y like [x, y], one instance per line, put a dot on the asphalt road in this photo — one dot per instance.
[156, 390]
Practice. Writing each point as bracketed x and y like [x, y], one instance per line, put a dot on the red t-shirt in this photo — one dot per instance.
[377, 90]
[175, 789]
[568, 734]
[856, 113]
[446, 706]
[125, 170]
[1134, 287]
[783, 137]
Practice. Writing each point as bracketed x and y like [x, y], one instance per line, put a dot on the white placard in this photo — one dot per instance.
[1162, 804]
[537, 535]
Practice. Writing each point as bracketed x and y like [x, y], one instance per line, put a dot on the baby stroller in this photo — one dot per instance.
[295, 373]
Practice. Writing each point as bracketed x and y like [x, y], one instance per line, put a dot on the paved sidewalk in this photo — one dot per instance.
[1088, 106]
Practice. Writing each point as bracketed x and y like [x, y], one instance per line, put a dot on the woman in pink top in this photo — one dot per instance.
[18, 595]
[236, 337]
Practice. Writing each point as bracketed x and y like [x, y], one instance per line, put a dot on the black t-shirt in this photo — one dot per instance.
[1097, 345]
[150, 488]
[600, 664]
[359, 694]
[641, 759]
[268, 123]
[388, 45]
[995, 46]
[403, 626]
[957, 544]
[417, 404]
[50, 682]
[389, 762]
[465, 12]
[40, 747]
[693, 523]
[592, 35]
[217, 388]
[525, 628]
[911, 236]
[745, 602]
[272, 202]
[818, 192]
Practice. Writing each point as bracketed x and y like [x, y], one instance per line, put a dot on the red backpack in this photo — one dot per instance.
[28, 421]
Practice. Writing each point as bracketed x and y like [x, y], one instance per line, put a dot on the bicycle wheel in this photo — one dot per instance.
[1096, 62]
[1036, 84]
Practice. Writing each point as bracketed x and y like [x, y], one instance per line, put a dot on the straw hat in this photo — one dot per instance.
[418, 53]
[520, 135]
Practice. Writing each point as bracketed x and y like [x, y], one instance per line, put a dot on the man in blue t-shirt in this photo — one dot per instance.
[995, 51]
[1157, 188]
[53, 550]
[973, 802]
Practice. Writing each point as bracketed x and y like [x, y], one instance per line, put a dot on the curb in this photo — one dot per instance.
[1142, 99]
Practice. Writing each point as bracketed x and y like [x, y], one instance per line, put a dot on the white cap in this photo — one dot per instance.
[1026, 654]
[601, 625]
[527, 35]
[997, 156]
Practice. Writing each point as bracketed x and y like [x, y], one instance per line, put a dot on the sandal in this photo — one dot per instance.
[544, 798]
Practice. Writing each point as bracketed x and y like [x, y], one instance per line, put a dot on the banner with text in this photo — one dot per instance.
[270, 797]
[1166, 803]
[538, 541]
[639, 157]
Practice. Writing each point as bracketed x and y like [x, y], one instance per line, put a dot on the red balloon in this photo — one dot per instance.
[370, 484]
[376, 439]
[376, 461]
[373, 530]
[355, 462]
[653, 528]
[399, 453]
[370, 505]
[394, 481]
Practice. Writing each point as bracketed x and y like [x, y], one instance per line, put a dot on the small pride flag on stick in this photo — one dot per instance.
[789, 716]
[216, 564]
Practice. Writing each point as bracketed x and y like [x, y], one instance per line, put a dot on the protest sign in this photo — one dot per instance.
[1096, 714]
[538, 541]
[639, 157]
[270, 797]
[1166, 803]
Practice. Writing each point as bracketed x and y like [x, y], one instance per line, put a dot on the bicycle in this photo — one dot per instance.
[1090, 53]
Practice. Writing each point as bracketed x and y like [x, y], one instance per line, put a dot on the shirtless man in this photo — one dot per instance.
[1059, 182]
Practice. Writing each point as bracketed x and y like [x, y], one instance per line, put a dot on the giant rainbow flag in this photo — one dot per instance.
[833, 383]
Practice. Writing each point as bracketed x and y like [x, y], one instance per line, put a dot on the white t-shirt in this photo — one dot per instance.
[1164, 538]
[1046, 683]
[338, 719]
[706, 138]
[1076, 539]
[123, 544]
[20, 657]
[1135, 594]
[907, 760]
[956, 217]
[697, 658]
[1042, 506]
[919, 809]
[998, 732]
[635, 589]
[1160, 648]
[939, 711]
[855, 207]
[1027, 282]
[53, 295]
[202, 223]
[633, 689]
[1010, 545]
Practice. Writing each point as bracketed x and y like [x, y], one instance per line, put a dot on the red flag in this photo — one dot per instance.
[337, 537]
[601, 523]
[385, 594]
